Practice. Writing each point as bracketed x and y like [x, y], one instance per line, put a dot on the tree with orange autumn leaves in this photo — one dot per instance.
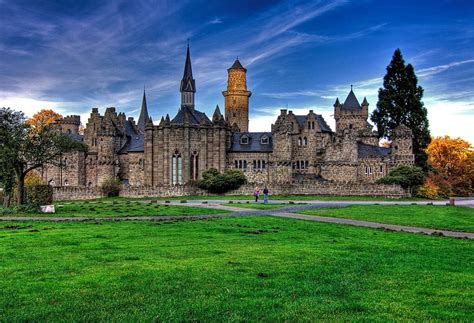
[43, 118]
[452, 163]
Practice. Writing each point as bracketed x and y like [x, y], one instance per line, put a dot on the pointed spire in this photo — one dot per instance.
[217, 114]
[162, 121]
[237, 66]
[351, 102]
[337, 103]
[365, 103]
[143, 118]
[188, 71]
[188, 85]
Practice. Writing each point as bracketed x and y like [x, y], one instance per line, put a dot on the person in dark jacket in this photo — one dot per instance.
[265, 195]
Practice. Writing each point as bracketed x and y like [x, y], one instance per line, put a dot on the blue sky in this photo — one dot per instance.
[75, 55]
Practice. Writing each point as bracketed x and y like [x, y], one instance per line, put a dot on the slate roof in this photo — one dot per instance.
[254, 144]
[190, 114]
[364, 151]
[237, 66]
[351, 102]
[187, 83]
[75, 136]
[135, 140]
[322, 123]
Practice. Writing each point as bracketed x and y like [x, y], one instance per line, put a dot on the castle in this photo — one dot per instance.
[178, 150]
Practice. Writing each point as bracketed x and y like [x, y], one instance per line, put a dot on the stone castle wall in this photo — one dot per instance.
[320, 188]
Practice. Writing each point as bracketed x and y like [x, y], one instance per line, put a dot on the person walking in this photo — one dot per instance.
[265, 195]
[256, 194]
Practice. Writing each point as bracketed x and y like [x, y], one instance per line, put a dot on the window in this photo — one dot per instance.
[350, 125]
[194, 165]
[51, 182]
[236, 162]
[244, 140]
[254, 164]
[312, 124]
[366, 170]
[177, 169]
[66, 183]
[69, 131]
[299, 141]
[305, 141]
[264, 140]
[245, 164]
[306, 164]
[370, 170]
[381, 168]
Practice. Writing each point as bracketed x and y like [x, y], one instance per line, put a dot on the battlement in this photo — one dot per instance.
[72, 119]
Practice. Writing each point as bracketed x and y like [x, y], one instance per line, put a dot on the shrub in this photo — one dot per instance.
[111, 187]
[428, 190]
[406, 176]
[39, 194]
[215, 182]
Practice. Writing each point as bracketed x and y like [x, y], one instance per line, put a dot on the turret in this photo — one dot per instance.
[237, 97]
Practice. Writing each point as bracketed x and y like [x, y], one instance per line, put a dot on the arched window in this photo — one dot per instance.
[306, 164]
[51, 182]
[194, 165]
[299, 141]
[312, 124]
[245, 164]
[305, 141]
[176, 169]
[66, 183]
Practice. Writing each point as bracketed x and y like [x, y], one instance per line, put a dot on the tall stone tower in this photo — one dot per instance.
[237, 97]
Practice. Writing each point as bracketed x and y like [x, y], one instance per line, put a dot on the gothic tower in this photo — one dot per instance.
[237, 97]
[188, 85]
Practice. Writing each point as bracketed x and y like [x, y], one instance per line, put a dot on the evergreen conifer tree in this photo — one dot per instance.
[400, 103]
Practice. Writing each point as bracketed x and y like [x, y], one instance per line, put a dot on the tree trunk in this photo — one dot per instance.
[6, 200]
[20, 197]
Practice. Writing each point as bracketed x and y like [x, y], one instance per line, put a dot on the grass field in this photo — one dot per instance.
[239, 269]
[120, 208]
[261, 206]
[428, 216]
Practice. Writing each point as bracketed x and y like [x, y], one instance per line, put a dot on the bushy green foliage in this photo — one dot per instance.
[111, 187]
[39, 194]
[215, 182]
[406, 176]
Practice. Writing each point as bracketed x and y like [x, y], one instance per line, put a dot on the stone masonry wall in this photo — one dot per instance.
[305, 188]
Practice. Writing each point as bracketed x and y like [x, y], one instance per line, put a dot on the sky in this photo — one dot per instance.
[71, 56]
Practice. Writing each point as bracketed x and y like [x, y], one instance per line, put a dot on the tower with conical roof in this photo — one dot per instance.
[188, 85]
[351, 115]
[237, 97]
[144, 117]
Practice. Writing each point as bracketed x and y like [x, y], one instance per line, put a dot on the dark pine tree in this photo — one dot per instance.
[400, 103]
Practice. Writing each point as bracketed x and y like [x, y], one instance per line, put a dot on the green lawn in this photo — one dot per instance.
[120, 208]
[261, 206]
[231, 269]
[428, 216]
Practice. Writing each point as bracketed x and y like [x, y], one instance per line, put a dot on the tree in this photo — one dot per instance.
[215, 182]
[24, 148]
[406, 176]
[43, 118]
[400, 103]
[452, 160]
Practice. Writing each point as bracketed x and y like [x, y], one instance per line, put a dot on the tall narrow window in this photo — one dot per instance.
[177, 169]
[254, 164]
[299, 141]
[305, 141]
[245, 164]
[194, 166]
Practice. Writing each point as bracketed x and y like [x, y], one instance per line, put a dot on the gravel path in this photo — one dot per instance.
[367, 224]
